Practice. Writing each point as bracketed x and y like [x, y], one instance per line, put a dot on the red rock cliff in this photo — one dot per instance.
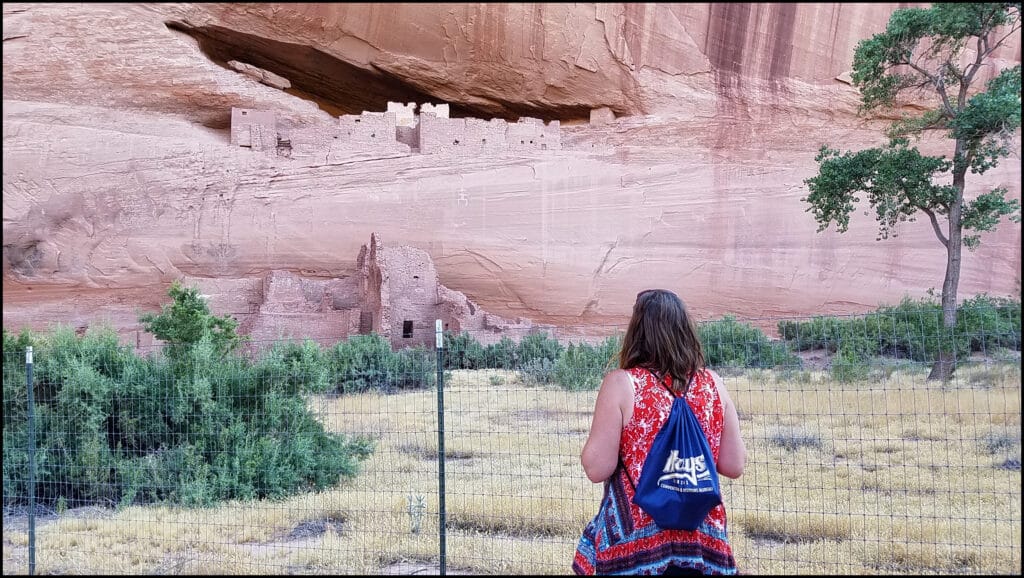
[119, 175]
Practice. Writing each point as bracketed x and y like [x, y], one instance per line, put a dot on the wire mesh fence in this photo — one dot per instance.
[363, 457]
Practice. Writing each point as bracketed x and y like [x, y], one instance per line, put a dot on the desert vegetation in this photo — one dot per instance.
[300, 458]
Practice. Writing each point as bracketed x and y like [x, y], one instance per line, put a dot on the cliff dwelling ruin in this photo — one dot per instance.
[394, 292]
[425, 129]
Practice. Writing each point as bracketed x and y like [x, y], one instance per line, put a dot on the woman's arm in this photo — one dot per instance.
[613, 409]
[732, 454]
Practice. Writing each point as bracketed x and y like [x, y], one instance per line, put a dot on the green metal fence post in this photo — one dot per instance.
[31, 464]
[442, 546]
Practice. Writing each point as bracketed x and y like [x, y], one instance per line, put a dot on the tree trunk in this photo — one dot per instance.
[945, 361]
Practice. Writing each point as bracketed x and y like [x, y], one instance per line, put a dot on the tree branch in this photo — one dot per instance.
[935, 226]
[939, 86]
[974, 66]
[984, 52]
[996, 45]
[969, 70]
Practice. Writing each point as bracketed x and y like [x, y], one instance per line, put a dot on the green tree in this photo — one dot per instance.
[939, 52]
[187, 319]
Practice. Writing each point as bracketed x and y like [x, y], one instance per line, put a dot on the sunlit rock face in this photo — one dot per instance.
[120, 174]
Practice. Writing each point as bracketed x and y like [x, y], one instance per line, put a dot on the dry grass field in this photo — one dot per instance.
[889, 476]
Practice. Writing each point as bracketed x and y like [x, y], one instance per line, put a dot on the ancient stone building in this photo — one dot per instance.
[256, 129]
[400, 129]
[532, 134]
[395, 293]
[473, 135]
[372, 131]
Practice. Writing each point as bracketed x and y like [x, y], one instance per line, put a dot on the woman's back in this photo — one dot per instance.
[652, 404]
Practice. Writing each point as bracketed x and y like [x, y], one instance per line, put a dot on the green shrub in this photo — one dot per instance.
[305, 366]
[367, 363]
[538, 346]
[990, 323]
[412, 368]
[816, 333]
[583, 366]
[361, 363]
[187, 319]
[538, 371]
[501, 355]
[462, 351]
[203, 427]
[849, 365]
[729, 343]
[913, 329]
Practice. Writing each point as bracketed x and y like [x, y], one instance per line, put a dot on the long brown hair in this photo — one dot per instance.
[662, 338]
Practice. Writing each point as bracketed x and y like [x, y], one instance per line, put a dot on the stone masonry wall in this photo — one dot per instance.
[398, 130]
[472, 135]
[392, 290]
[533, 134]
[441, 135]
[405, 114]
[373, 130]
[254, 128]
[483, 135]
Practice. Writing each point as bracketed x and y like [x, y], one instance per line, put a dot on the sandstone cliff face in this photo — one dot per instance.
[119, 175]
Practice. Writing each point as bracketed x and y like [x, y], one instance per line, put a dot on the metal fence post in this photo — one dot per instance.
[442, 546]
[31, 464]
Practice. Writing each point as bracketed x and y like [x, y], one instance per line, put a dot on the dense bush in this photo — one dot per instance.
[729, 343]
[582, 366]
[990, 322]
[501, 355]
[304, 365]
[367, 363]
[412, 368]
[538, 371]
[541, 359]
[203, 427]
[850, 364]
[913, 329]
[186, 320]
[462, 351]
[538, 346]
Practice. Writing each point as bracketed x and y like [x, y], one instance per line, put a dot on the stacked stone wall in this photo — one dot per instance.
[372, 130]
[398, 130]
[256, 129]
[441, 135]
[487, 136]
[532, 134]
[405, 114]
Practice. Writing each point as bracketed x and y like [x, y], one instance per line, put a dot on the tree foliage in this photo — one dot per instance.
[187, 320]
[933, 56]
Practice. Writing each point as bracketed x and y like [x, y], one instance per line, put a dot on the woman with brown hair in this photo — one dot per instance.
[661, 358]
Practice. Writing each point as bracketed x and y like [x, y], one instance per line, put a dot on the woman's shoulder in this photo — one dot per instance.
[707, 379]
[711, 375]
[619, 376]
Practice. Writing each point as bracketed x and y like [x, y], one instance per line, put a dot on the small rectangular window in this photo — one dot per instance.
[407, 329]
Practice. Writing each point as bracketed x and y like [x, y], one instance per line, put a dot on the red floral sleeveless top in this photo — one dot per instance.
[652, 404]
[621, 538]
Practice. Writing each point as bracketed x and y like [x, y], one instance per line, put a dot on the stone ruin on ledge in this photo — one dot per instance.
[399, 129]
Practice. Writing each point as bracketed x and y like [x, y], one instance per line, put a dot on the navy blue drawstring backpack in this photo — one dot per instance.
[679, 483]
